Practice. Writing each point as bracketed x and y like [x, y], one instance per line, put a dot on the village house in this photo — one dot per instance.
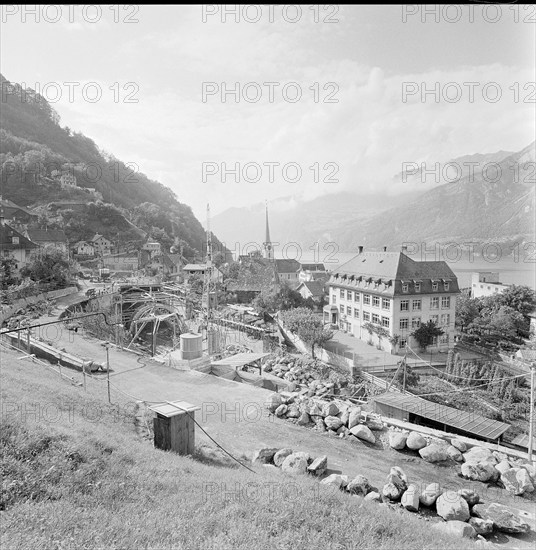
[101, 244]
[312, 272]
[313, 290]
[15, 214]
[391, 292]
[49, 238]
[83, 248]
[15, 245]
[68, 179]
[486, 283]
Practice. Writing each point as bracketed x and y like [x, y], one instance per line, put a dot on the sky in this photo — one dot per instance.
[330, 99]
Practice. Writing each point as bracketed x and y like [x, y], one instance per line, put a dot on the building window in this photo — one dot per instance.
[405, 287]
[435, 286]
[446, 285]
[404, 305]
[445, 319]
[366, 299]
[404, 323]
[444, 339]
[334, 299]
[348, 310]
[356, 296]
[385, 322]
[403, 342]
[375, 301]
[415, 322]
[417, 287]
[386, 303]
[349, 295]
[356, 313]
[434, 302]
[366, 316]
[341, 309]
[375, 318]
[416, 305]
[445, 302]
[342, 293]
[435, 319]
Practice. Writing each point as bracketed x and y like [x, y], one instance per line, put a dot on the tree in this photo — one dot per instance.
[7, 272]
[280, 300]
[467, 310]
[412, 378]
[308, 326]
[426, 333]
[49, 266]
[520, 298]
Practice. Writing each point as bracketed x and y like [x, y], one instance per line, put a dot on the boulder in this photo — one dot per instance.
[293, 411]
[373, 496]
[524, 480]
[359, 485]
[345, 416]
[396, 484]
[453, 453]
[330, 409]
[397, 471]
[430, 494]
[451, 506]
[335, 480]
[397, 440]
[281, 410]
[280, 456]
[410, 499]
[503, 466]
[392, 492]
[333, 422]
[319, 466]
[273, 401]
[374, 423]
[315, 409]
[470, 496]
[415, 441]
[264, 456]
[295, 463]
[456, 528]
[304, 419]
[480, 471]
[319, 423]
[531, 469]
[459, 444]
[354, 417]
[364, 433]
[510, 481]
[503, 518]
[479, 454]
[434, 453]
[481, 526]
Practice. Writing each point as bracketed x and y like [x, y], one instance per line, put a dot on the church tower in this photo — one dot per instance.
[267, 244]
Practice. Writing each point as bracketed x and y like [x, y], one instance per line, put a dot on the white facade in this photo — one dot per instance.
[486, 283]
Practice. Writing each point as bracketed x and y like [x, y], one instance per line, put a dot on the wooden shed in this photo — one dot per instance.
[174, 426]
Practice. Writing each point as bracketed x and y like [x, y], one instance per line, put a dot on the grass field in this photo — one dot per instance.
[70, 481]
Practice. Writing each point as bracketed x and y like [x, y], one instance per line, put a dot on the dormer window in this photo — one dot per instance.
[446, 285]
[434, 286]
[405, 287]
[417, 287]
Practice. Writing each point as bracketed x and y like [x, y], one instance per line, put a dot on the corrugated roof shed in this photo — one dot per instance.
[469, 422]
[522, 440]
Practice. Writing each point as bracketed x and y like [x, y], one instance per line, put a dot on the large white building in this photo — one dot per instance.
[486, 283]
[394, 292]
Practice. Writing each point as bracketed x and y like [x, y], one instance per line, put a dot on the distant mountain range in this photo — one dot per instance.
[497, 204]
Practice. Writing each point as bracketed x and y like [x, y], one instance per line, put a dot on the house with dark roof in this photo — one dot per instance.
[15, 245]
[288, 271]
[49, 238]
[101, 244]
[382, 297]
[83, 248]
[314, 290]
[13, 213]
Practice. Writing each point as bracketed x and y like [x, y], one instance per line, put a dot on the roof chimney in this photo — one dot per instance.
[360, 249]
[385, 249]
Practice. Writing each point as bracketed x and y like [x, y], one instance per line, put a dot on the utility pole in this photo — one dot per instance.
[531, 412]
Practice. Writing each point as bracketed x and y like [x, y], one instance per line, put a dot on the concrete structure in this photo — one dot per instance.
[102, 245]
[486, 283]
[392, 294]
[15, 245]
[49, 238]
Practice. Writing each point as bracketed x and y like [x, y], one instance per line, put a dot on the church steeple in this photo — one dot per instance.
[267, 245]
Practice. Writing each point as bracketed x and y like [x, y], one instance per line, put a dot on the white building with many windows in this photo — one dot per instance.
[381, 297]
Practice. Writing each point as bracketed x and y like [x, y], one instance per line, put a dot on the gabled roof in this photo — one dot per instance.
[4, 203]
[287, 266]
[316, 288]
[97, 237]
[313, 267]
[6, 239]
[47, 235]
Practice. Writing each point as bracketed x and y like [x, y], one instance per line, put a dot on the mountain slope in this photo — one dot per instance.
[33, 146]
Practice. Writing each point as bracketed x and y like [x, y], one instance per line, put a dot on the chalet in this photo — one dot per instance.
[83, 248]
[15, 245]
[288, 271]
[49, 238]
[13, 213]
[101, 244]
[382, 297]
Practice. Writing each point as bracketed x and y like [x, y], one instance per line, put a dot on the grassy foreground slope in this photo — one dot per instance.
[71, 481]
